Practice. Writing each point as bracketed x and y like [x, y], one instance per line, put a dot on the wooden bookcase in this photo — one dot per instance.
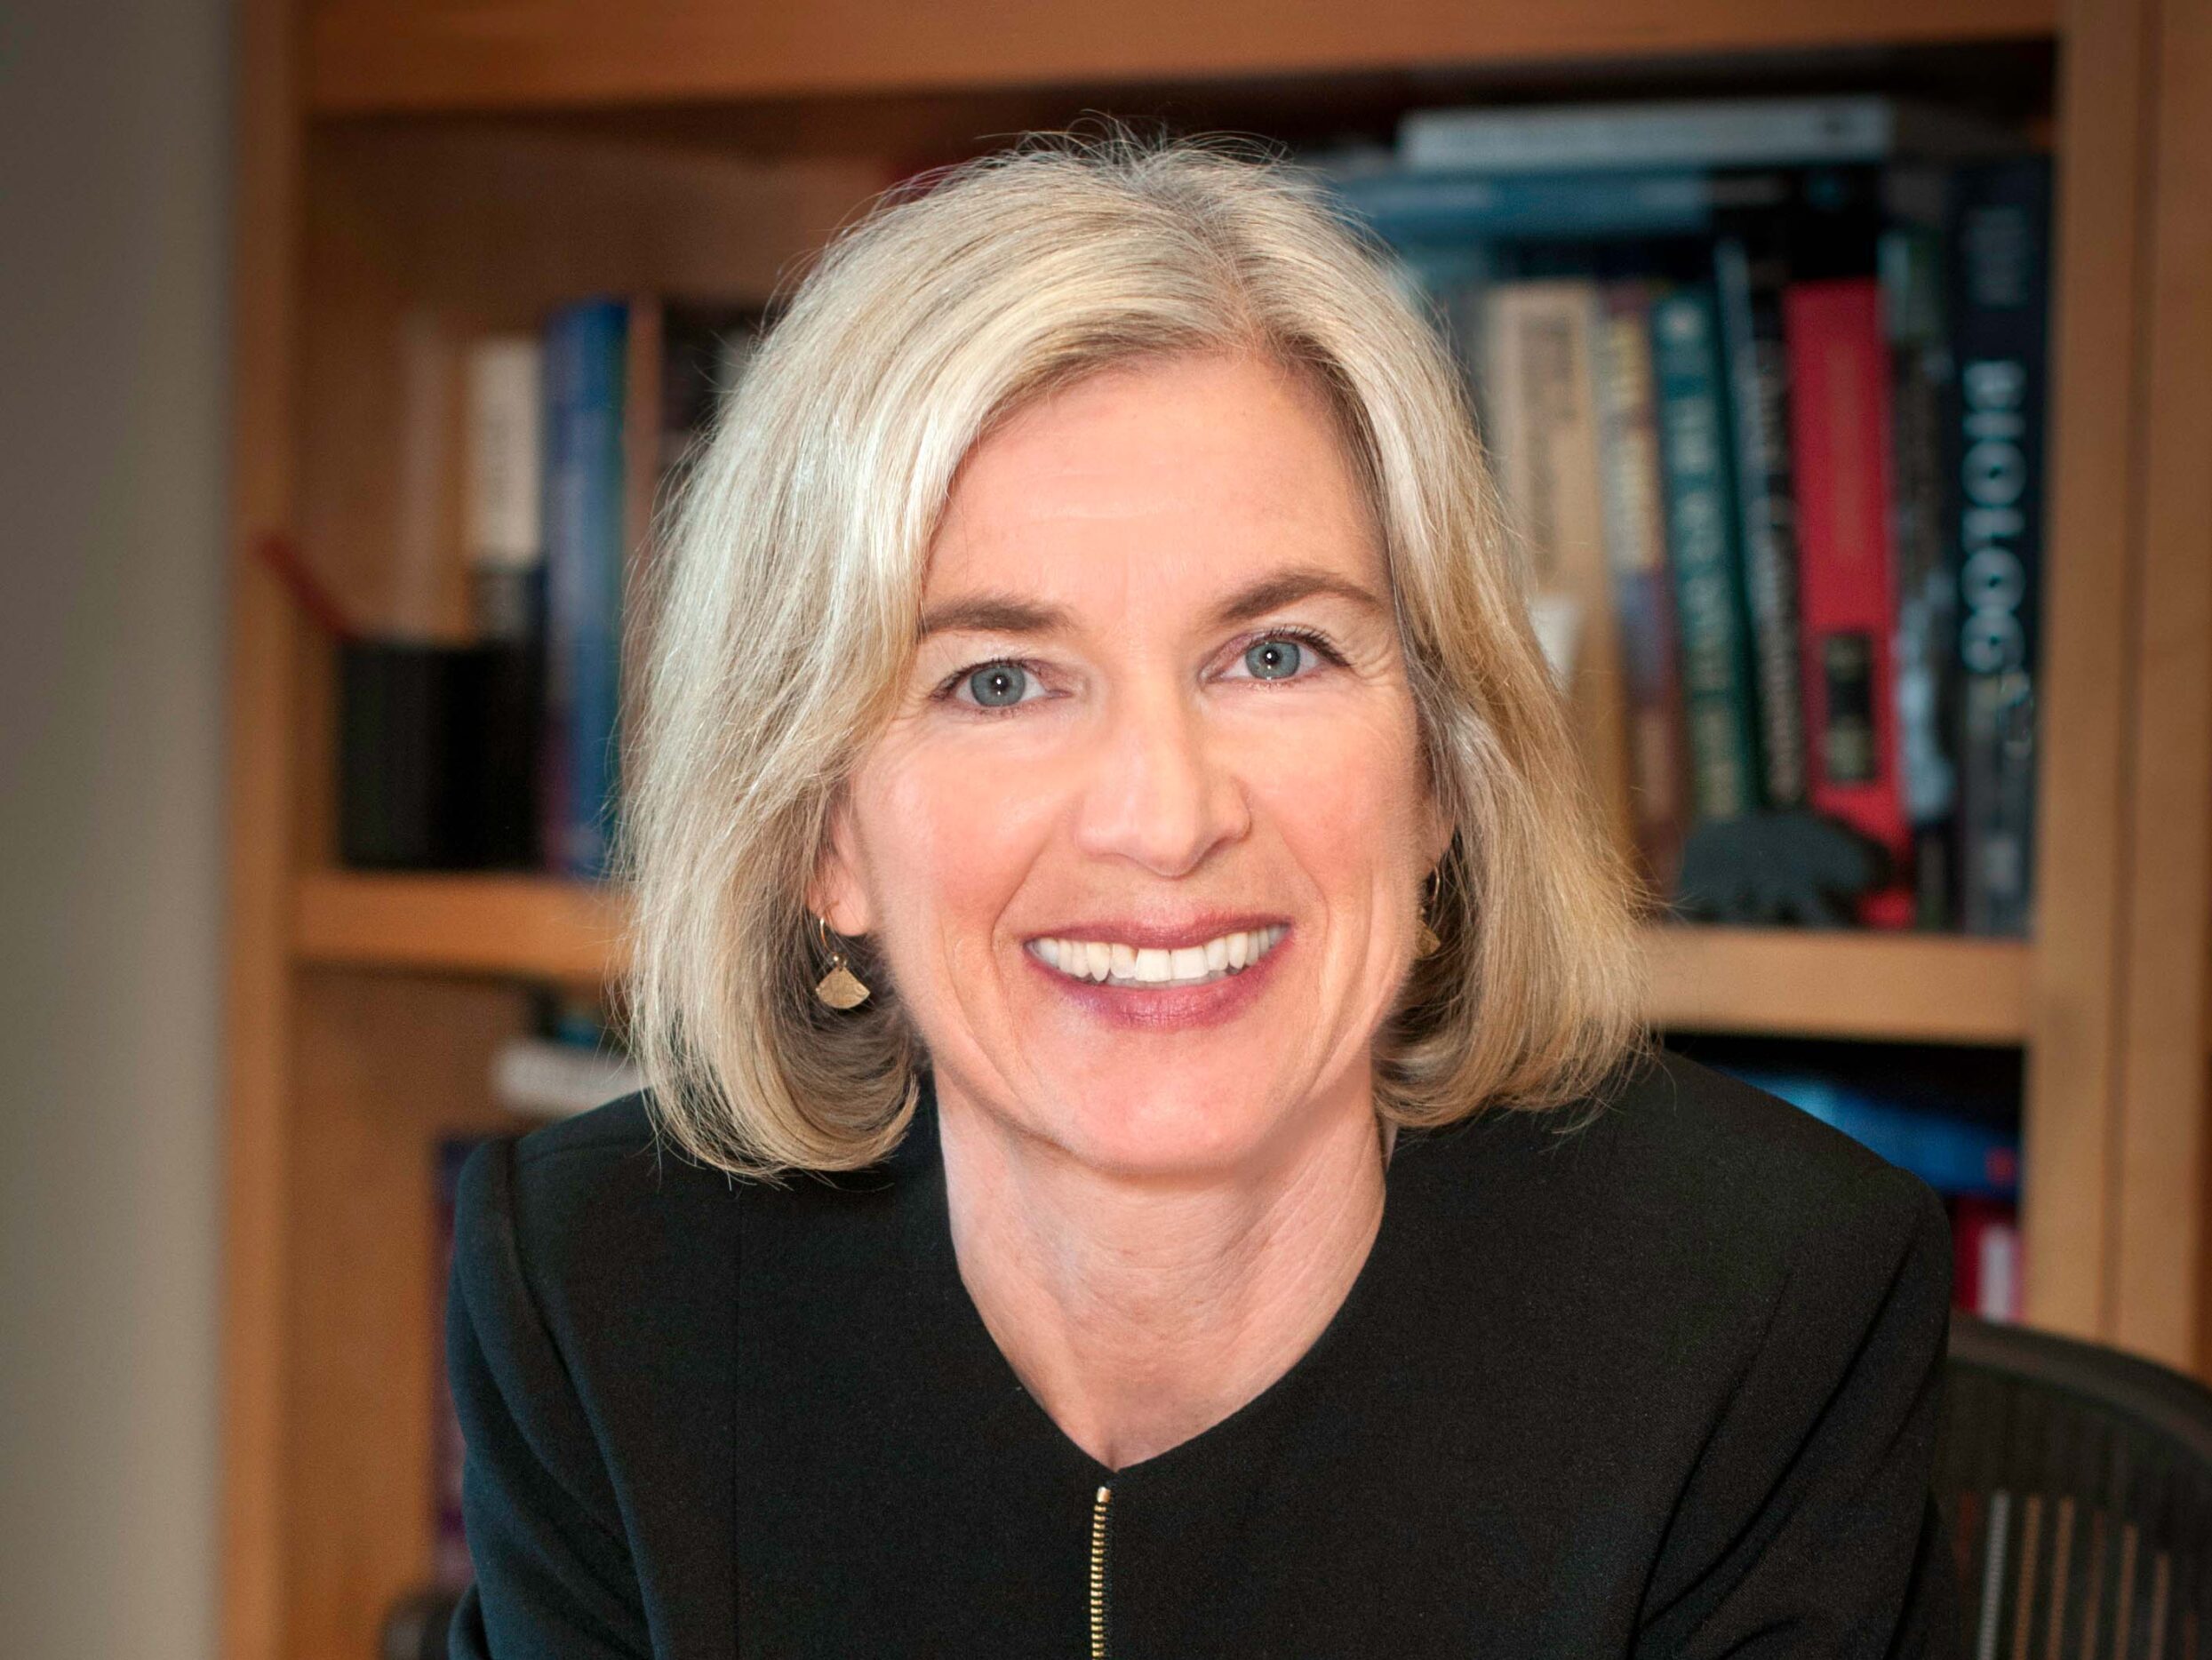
[410, 171]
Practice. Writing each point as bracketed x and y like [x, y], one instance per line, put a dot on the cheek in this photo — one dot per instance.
[948, 841]
[1343, 792]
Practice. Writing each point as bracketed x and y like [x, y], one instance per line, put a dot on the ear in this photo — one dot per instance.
[838, 894]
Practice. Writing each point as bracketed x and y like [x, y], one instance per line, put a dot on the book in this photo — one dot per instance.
[705, 349]
[2000, 244]
[1544, 436]
[587, 533]
[1689, 132]
[1911, 260]
[1751, 270]
[1986, 1257]
[1846, 574]
[1643, 606]
[1714, 632]
[555, 1077]
[503, 482]
[1416, 209]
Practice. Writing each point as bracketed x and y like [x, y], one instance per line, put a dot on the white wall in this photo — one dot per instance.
[113, 258]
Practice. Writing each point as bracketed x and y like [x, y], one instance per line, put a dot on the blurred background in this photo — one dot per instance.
[115, 428]
[1849, 379]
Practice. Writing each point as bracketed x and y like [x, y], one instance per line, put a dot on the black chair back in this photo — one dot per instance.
[2078, 1484]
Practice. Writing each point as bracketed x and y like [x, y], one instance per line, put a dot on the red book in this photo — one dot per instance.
[1986, 1276]
[1847, 571]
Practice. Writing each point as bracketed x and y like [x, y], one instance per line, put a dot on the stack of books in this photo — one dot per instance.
[1764, 385]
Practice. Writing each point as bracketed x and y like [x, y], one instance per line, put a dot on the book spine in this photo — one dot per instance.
[1841, 445]
[1455, 209]
[1717, 683]
[1636, 530]
[1450, 284]
[553, 1078]
[505, 481]
[1749, 281]
[505, 508]
[1985, 1240]
[1912, 269]
[1554, 489]
[1710, 132]
[2000, 245]
[585, 567]
[1702, 132]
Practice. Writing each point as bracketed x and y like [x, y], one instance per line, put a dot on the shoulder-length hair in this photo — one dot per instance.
[783, 617]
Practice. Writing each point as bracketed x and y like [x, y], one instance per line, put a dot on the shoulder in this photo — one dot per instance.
[1689, 1202]
[1802, 1321]
[587, 1175]
[597, 1223]
[1677, 1144]
[601, 1169]
[589, 1346]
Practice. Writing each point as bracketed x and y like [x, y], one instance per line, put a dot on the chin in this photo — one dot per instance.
[1167, 1129]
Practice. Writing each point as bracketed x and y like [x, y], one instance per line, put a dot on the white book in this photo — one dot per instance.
[506, 451]
[1998, 1298]
[548, 1079]
[1691, 132]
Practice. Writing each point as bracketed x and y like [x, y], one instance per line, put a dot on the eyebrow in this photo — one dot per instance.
[1008, 613]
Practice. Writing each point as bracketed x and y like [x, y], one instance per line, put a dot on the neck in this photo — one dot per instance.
[1141, 1311]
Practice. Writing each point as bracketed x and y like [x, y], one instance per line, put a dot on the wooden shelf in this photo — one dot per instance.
[369, 56]
[1925, 987]
[523, 927]
[1934, 988]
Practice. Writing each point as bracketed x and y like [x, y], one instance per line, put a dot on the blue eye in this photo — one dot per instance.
[1275, 658]
[998, 685]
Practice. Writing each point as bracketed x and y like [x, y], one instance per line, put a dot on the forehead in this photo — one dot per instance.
[1195, 472]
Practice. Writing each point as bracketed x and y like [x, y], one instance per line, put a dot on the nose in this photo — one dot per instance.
[1160, 792]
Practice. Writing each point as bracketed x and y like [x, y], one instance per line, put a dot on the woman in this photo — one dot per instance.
[1148, 1151]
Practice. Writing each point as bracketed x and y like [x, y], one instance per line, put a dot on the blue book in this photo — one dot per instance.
[1407, 208]
[585, 378]
[1955, 1154]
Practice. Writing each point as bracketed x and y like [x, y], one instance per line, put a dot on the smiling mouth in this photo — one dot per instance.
[1104, 963]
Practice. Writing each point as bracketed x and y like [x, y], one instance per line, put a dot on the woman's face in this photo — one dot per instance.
[1159, 715]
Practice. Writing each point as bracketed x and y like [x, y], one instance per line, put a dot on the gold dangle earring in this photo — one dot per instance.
[1425, 943]
[841, 987]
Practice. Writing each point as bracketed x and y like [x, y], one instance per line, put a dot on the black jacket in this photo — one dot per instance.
[1664, 1386]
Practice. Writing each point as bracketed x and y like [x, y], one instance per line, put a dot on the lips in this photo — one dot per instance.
[1209, 994]
[1102, 963]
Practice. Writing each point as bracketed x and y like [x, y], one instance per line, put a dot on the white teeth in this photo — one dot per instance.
[1113, 963]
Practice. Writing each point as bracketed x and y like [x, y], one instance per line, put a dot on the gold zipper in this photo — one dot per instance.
[1098, 1574]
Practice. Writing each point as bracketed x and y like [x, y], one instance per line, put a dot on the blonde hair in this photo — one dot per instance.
[784, 613]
